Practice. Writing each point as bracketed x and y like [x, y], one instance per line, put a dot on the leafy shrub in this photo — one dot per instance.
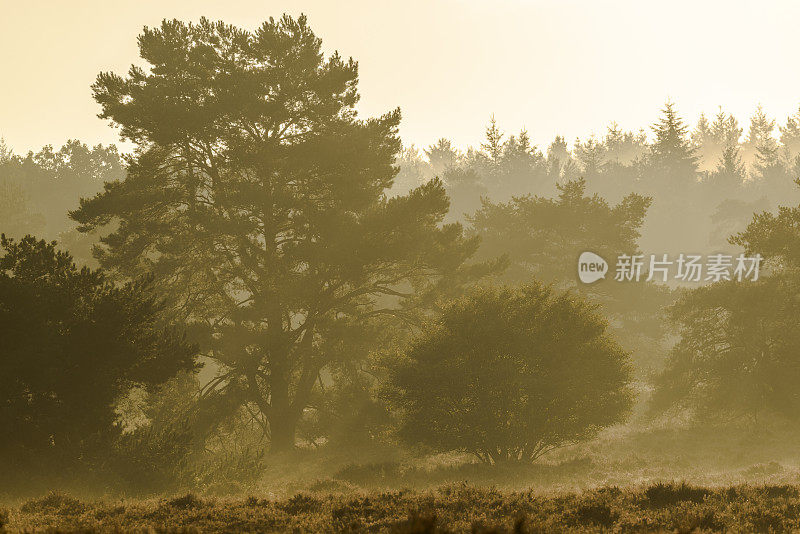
[508, 374]
[73, 344]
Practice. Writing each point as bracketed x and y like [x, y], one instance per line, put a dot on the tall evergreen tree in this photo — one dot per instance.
[591, 156]
[672, 155]
[493, 144]
[730, 171]
[759, 140]
[761, 128]
[790, 135]
[441, 156]
[257, 199]
[702, 133]
[725, 129]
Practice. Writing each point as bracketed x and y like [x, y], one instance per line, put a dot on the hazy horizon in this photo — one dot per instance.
[529, 64]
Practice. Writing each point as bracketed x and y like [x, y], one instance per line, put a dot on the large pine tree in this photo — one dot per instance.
[672, 155]
[256, 197]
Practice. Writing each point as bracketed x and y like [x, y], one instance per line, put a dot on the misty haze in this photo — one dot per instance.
[526, 267]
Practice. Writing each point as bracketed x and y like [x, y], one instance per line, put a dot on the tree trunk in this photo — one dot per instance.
[282, 431]
[282, 420]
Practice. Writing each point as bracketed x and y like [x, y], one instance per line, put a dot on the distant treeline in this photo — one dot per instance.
[38, 190]
[705, 182]
[728, 174]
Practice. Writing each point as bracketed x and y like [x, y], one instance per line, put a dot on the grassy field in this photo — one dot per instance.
[457, 508]
[740, 482]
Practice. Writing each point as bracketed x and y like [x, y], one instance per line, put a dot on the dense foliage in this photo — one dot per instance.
[256, 200]
[542, 238]
[739, 346]
[737, 355]
[72, 345]
[37, 190]
[509, 374]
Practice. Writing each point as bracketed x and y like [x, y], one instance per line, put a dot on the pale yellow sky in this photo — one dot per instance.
[554, 67]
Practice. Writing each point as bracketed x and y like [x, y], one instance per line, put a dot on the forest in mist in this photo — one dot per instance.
[270, 293]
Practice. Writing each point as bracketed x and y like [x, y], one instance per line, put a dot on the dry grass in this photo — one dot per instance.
[735, 482]
[667, 507]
